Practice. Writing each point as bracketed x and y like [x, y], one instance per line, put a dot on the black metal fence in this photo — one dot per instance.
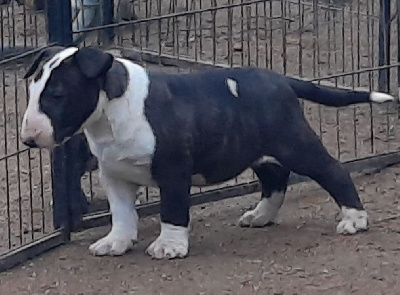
[354, 44]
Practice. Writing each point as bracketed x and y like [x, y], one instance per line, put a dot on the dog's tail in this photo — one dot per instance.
[333, 96]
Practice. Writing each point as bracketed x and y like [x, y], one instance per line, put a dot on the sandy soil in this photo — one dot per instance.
[302, 255]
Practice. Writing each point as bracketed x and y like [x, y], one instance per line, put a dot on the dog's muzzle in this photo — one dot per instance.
[37, 131]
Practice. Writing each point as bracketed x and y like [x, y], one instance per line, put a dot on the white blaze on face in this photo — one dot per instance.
[36, 125]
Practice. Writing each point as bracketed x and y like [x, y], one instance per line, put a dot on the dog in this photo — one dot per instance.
[176, 130]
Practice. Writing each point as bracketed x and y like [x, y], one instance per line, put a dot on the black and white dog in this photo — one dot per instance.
[177, 130]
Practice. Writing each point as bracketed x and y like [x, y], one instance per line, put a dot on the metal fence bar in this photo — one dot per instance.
[22, 201]
[60, 31]
[70, 204]
[384, 44]
[59, 22]
[398, 43]
[31, 250]
[108, 18]
[173, 15]
[169, 60]
[368, 164]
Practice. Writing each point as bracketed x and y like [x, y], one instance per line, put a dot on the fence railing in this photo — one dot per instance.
[351, 44]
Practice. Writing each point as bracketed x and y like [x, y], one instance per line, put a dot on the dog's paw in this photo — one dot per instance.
[253, 218]
[353, 221]
[113, 244]
[164, 248]
[173, 242]
[264, 214]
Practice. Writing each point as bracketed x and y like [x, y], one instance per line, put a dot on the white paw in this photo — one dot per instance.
[265, 213]
[113, 244]
[252, 218]
[173, 242]
[352, 222]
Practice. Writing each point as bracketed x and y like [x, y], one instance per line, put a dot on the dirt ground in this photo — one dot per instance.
[301, 255]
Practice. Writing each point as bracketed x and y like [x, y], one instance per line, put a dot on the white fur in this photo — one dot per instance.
[119, 134]
[121, 138]
[267, 159]
[353, 221]
[123, 235]
[36, 125]
[172, 242]
[233, 87]
[380, 97]
[265, 212]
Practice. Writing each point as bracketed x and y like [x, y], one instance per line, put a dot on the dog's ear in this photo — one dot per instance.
[43, 55]
[92, 62]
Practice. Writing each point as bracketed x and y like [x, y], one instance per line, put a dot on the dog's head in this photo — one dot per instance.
[63, 93]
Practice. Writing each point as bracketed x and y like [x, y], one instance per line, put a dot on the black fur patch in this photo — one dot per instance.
[201, 128]
[116, 80]
[72, 91]
[44, 56]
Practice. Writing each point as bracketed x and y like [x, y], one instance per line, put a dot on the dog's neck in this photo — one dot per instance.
[96, 122]
[117, 110]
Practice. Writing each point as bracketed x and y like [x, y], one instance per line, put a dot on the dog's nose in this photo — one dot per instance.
[31, 143]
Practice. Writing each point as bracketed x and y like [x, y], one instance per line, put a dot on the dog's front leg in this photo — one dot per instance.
[174, 184]
[121, 197]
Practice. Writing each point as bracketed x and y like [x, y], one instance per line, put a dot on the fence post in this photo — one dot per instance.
[60, 32]
[107, 11]
[69, 202]
[59, 21]
[384, 44]
[398, 45]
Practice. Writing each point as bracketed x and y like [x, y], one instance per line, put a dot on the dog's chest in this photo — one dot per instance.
[124, 144]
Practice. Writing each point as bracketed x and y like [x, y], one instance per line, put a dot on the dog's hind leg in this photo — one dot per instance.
[273, 178]
[302, 152]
